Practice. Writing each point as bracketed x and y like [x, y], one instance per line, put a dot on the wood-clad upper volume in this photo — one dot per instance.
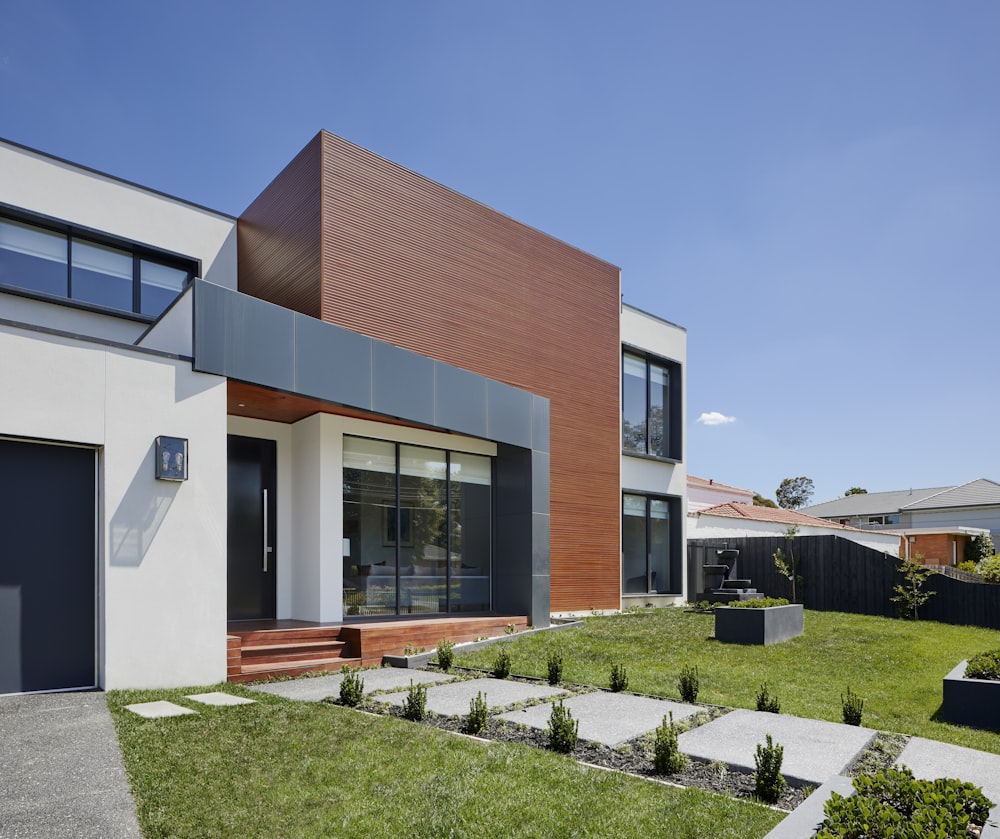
[363, 243]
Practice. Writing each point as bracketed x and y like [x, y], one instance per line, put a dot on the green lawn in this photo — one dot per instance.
[896, 666]
[285, 769]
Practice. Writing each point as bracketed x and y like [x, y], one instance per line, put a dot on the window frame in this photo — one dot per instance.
[138, 251]
[676, 556]
[673, 418]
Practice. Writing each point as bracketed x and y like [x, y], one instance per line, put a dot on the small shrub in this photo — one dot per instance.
[769, 783]
[984, 666]
[555, 667]
[704, 606]
[892, 803]
[688, 684]
[979, 547]
[501, 664]
[667, 756]
[415, 704]
[563, 729]
[969, 567]
[852, 707]
[509, 629]
[619, 678]
[445, 654]
[760, 603]
[479, 714]
[766, 701]
[989, 569]
[910, 595]
[352, 688]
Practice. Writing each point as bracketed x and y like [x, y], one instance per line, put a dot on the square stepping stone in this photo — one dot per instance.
[608, 718]
[453, 699]
[161, 708]
[320, 687]
[813, 749]
[220, 698]
[930, 760]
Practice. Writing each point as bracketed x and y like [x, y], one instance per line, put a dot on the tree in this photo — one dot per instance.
[760, 501]
[856, 491]
[979, 547]
[794, 493]
[911, 595]
[789, 568]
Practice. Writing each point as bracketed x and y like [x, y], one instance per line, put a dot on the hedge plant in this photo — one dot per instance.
[984, 666]
[760, 603]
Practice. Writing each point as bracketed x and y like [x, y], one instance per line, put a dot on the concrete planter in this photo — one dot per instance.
[971, 702]
[758, 626]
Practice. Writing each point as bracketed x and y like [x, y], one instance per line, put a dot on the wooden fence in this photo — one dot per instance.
[842, 576]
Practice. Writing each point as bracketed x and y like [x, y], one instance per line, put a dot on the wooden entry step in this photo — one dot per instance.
[258, 652]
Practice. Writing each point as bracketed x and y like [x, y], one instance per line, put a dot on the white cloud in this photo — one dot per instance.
[715, 418]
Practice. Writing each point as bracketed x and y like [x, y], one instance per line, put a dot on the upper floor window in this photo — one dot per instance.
[651, 420]
[97, 272]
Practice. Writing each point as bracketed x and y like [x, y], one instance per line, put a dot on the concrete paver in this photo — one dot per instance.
[813, 749]
[609, 718]
[321, 687]
[219, 698]
[453, 699]
[62, 775]
[930, 760]
[161, 708]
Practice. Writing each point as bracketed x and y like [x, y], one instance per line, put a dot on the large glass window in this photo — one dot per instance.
[52, 261]
[650, 410]
[650, 565]
[417, 529]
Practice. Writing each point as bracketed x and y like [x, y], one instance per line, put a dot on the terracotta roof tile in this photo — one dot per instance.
[774, 514]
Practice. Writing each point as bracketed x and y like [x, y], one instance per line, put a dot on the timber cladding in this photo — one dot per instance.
[407, 261]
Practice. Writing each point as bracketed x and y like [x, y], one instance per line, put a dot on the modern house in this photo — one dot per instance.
[367, 407]
[702, 494]
[935, 523]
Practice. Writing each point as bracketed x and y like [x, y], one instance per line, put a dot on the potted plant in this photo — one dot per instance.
[767, 620]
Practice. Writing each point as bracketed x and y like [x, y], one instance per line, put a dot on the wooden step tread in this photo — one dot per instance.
[331, 644]
[334, 664]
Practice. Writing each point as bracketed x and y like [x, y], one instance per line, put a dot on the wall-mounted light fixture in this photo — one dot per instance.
[171, 459]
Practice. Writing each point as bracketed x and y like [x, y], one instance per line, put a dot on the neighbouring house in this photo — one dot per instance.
[734, 521]
[368, 401]
[702, 494]
[934, 523]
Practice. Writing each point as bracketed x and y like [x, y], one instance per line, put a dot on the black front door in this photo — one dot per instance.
[251, 530]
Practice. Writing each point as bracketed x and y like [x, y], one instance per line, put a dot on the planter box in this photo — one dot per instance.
[758, 626]
[972, 702]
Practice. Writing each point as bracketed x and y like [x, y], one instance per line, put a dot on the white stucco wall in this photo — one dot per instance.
[701, 497]
[706, 526]
[162, 545]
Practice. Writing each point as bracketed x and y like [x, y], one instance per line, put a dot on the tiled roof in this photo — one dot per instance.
[979, 493]
[706, 483]
[871, 503]
[772, 514]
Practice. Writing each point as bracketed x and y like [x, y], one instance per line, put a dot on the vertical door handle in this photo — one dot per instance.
[267, 548]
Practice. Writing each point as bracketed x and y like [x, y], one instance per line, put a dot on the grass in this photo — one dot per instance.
[896, 666]
[289, 769]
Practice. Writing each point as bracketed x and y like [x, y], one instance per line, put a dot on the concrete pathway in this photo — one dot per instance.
[608, 718]
[453, 699]
[813, 749]
[61, 772]
[930, 760]
[319, 688]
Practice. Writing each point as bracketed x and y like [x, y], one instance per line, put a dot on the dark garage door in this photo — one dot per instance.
[47, 567]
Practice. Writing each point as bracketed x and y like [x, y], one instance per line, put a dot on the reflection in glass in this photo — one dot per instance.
[659, 546]
[634, 578]
[101, 275]
[470, 529]
[32, 258]
[423, 492]
[159, 286]
[659, 399]
[634, 404]
[369, 557]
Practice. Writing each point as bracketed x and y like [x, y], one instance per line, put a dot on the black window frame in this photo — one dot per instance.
[673, 418]
[676, 558]
[138, 251]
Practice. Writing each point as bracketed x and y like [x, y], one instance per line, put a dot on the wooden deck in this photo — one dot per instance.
[263, 649]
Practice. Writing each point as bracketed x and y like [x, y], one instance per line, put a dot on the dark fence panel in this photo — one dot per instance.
[842, 576]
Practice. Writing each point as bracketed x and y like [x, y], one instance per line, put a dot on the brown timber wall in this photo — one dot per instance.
[409, 262]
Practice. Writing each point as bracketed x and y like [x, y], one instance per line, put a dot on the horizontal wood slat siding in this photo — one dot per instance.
[407, 261]
[278, 237]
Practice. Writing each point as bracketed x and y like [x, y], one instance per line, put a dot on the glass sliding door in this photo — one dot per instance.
[417, 529]
[470, 532]
[371, 527]
[634, 579]
[650, 564]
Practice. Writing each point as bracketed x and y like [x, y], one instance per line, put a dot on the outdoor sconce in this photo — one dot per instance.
[171, 458]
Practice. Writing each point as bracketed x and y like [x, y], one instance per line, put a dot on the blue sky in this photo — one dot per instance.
[811, 189]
